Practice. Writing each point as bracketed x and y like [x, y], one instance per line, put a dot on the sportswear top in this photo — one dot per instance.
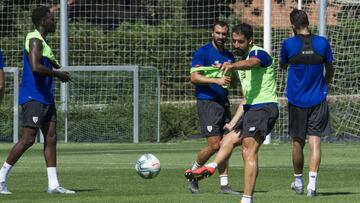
[35, 86]
[208, 55]
[306, 55]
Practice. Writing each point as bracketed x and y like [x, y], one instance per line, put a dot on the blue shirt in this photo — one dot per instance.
[2, 64]
[208, 55]
[35, 86]
[306, 86]
[263, 56]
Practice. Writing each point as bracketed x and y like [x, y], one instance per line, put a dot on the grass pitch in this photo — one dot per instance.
[105, 173]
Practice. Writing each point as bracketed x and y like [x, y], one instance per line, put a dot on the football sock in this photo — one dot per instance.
[212, 165]
[246, 199]
[224, 181]
[4, 171]
[312, 180]
[195, 166]
[299, 180]
[52, 178]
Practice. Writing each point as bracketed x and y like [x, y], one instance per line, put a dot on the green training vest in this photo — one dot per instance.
[258, 84]
[211, 72]
[46, 51]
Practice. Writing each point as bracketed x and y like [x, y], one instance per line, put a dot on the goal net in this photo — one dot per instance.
[110, 104]
[164, 34]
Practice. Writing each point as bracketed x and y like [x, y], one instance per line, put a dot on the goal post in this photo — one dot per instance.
[111, 104]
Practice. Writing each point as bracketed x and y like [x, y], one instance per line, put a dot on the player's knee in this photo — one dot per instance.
[214, 147]
[51, 139]
[26, 143]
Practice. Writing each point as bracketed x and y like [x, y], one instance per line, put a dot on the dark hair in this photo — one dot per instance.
[221, 24]
[38, 13]
[244, 29]
[299, 19]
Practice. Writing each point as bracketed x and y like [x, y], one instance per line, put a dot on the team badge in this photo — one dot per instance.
[209, 128]
[35, 119]
[252, 129]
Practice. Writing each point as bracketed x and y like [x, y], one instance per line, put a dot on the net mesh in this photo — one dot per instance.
[6, 108]
[164, 34]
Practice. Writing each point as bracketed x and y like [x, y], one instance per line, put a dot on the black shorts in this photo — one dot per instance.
[35, 114]
[309, 121]
[258, 120]
[213, 115]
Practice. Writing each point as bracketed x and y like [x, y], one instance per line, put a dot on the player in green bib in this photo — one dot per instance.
[37, 99]
[257, 112]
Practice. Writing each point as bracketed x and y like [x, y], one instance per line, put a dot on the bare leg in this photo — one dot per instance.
[251, 146]
[228, 143]
[50, 140]
[298, 155]
[315, 153]
[26, 141]
[212, 147]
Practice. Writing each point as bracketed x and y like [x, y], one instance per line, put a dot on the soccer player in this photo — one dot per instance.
[256, 114]
[37, 99]
[2, 76]
[212, 99]
[307, 55]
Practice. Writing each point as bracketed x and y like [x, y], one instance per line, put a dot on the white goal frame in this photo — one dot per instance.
[15, 72]
[136, 84]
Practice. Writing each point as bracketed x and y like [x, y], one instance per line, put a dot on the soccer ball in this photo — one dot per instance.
[148, 166]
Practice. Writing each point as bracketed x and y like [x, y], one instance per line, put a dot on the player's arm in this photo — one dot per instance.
[56, 66]
[241, 65]
[236, 118]
[329, 69]
[283, 65]
[37, 67]
[2, 83]
[199, 79]
[283, 58]
[329, 73]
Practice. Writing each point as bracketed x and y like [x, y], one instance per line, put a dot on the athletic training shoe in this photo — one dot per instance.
[194, 187]
[60, 190]
[228, 190]
[189, 175]
[311, 193]
[299, 189]
[203, 172]
[3, 189]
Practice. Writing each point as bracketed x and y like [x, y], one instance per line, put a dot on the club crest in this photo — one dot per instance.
[209, 128]
[35, 119]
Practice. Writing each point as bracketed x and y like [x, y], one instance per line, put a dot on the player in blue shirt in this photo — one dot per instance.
[2, 76]
[212, 99]
[37, 100]
[306, 55]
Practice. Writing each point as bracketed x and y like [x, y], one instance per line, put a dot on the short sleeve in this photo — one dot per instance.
[198, 59]
[263, 56]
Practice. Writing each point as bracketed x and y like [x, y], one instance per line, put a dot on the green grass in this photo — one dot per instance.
[105, 173]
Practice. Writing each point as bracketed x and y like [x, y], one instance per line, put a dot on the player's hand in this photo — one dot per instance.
[217, 65]
[229, 126]
[64, 76]
[224, 81]
[226, 67]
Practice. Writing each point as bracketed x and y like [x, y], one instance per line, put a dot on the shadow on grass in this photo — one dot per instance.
[85, 190]
[335, 193]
